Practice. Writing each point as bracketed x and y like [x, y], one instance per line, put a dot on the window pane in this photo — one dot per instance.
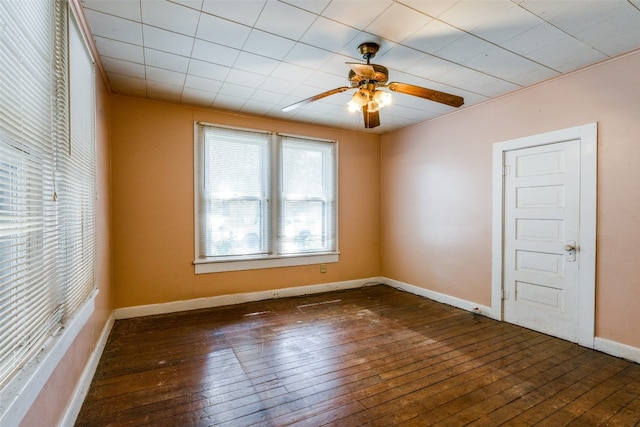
[307, 205]
[236, 183]
[235, 227]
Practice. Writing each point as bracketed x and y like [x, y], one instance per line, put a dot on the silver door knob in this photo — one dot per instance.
[569, 247]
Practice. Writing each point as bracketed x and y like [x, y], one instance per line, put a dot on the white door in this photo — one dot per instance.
[541, 238]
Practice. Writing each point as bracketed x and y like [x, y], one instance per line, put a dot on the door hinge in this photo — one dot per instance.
[506, 170]
[504, 294]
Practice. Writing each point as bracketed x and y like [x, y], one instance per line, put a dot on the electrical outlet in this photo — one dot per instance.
[323, 268]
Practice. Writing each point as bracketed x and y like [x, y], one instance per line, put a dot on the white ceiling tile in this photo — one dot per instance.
[208, 70]
[353, 14]
[476, 81]
[550, 46]
[193, 4]
[267, 96]
[351, 48]
[245, 78]
[326, 81]
[123, 9]
[214, 53]
[307, 56]
[255, 63]
[168, 61]
[284, 20]
[399, 57]
[472, 48]
[170, 16]
[279, 85]
[115, 28]
[164, 76]
[433, 36]
[120, 50]
[164, 91]
[126, 68]
[127, 85]
[432, 8]
[201, 83]
[269, 45]
[246, 14]
[469, 14]
[432, 67]
[291, 72]
[328, 34]
[198, 96]
[233, 89]
[464, 48]
[336, 65]
[228, 102]
[509, 66]
[397, 23]
[167, 41]
[313, 6]
[222, 31]
[619, 33]
[256, 107]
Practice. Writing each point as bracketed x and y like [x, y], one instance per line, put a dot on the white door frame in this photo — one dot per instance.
[588, 135]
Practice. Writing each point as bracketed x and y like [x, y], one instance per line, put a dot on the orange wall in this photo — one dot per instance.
[57, 393]
[436, 189]
[153, 219]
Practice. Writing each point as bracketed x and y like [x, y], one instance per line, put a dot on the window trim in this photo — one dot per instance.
[240, 263]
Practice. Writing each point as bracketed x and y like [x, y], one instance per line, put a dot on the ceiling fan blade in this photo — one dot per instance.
[371, 119]
[430, 94]
[362, 70]
[315, 98]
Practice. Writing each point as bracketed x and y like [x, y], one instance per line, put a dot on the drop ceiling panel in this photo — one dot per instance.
[170, 16]
[246, 14]
[258, 56]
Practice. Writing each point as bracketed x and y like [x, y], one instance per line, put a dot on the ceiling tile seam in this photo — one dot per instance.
[565, 32]
[476, 36]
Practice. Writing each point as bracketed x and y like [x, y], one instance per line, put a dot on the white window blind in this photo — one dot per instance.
[263, 196]
[46, 177]
[29, 289]
[307, 219]
[234, 203]
[76, 178]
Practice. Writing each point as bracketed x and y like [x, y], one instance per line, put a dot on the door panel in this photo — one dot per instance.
[541, 215]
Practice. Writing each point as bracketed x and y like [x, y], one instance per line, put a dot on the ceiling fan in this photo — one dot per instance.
[368, 79]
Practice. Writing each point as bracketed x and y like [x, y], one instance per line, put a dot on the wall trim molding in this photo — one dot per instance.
[82, 388]
[442, 298]
[617, 349]
[601, 344]
[221, 300]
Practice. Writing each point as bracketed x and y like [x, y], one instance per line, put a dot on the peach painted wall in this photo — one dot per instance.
[153, 219]
[436, 189]
[51, 404]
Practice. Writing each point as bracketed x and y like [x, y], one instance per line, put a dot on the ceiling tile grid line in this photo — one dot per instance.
[258, 56]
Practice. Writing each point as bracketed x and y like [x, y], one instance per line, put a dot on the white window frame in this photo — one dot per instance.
[273, 260]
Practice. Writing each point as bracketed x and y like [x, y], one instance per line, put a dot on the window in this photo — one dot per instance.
[47, 192]
[263, 199]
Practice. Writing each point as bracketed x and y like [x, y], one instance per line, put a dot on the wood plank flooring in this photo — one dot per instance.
[373, 356]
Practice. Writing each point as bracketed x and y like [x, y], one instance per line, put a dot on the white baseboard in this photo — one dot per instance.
[616, 349]
[443, 298]
[82, 388]
[218, 301]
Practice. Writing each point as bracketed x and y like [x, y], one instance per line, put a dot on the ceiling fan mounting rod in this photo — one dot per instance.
[368, 50]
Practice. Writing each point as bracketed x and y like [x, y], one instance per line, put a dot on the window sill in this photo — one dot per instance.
[203, 267]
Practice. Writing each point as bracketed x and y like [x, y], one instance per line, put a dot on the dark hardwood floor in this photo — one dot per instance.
[372, 356]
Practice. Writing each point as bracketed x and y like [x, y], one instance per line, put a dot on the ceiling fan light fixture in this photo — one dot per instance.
[382, 98]
[359, 100]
